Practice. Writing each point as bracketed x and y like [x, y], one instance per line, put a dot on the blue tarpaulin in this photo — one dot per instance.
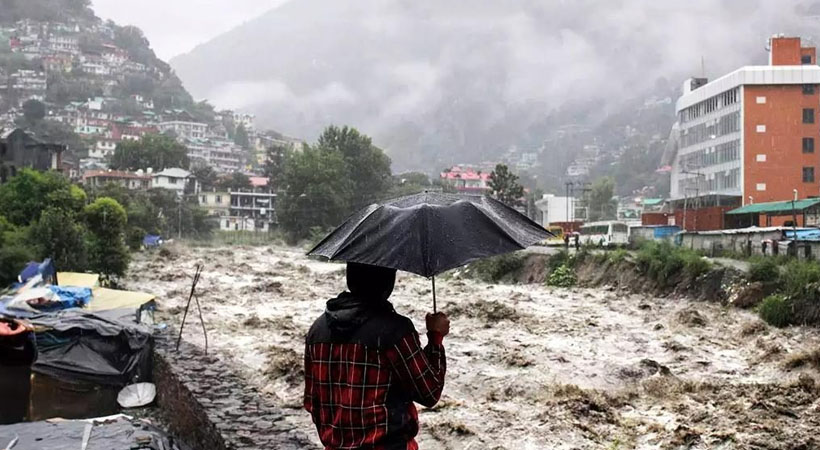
[812, 234]
[151, 240]
[45, 268]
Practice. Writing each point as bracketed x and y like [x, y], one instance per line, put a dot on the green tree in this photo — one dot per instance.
[34, 111]
[409, 183]
[27, 194]
[206, 175]
[152, 151]
[505, 186]
[106, 221]
[235, 182]
[317, 191]
[367, 166]
[241, 138]
[275, 164]
[602, 205]
[14, 253]
[58, 235]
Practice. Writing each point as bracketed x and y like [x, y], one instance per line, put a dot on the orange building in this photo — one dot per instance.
[750, 136]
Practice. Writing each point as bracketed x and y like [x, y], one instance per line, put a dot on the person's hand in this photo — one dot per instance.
[438, 323]
[13, 329]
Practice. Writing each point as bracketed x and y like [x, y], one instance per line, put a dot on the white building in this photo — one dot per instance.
[184, 130]
[174, 179]
[102, 149]
[221, 154]
[552, 209]
[64, 43]
[29, 84]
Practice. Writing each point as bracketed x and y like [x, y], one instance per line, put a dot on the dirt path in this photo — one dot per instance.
[528, 366]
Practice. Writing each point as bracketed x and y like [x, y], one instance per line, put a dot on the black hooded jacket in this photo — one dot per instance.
[364, 368]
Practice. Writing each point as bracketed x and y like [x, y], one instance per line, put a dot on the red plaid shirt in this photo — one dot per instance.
[361, 396]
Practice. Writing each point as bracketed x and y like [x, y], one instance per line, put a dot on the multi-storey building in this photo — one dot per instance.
[221, 154]
[184, 129]
[28, 84]
[751, 135]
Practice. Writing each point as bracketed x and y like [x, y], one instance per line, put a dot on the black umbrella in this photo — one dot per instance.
[430, 233]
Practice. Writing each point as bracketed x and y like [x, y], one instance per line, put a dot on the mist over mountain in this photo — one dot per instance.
[440, 82]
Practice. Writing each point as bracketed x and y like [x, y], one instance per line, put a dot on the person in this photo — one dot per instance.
[17, 353]
[365, 368]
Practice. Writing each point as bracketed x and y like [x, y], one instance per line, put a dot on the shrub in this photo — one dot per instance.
[618, 255]
[775, 310]
[562, 277]
[661, 261]
[495, 269]
[557, 260]
[694, 264]
[798, 275]
[764, 270]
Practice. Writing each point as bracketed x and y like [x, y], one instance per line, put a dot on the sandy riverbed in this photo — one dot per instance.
[528, 366]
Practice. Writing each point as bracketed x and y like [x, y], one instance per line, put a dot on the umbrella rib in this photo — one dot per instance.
[425, 239]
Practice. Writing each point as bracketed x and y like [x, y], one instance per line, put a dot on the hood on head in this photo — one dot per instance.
[370, 283]
[346, 313]
[369, 287]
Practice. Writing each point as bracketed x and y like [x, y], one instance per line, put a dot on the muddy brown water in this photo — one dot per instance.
[529, 366]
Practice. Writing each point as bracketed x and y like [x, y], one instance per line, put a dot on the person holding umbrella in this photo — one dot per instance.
[365, 367]
[364, 363]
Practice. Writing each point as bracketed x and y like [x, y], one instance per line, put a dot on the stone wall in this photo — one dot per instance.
[211, 406]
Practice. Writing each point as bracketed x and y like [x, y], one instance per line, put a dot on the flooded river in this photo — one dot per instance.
[528, 366]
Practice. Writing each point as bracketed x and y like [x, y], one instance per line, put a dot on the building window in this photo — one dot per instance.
[808, 89]
[761, 158]
[808, 115]
[808, 145]
[808, 174]
[172, 181]
[219, 199]
[761, 186]
[761, 100]
[805, 59]
[761, 128]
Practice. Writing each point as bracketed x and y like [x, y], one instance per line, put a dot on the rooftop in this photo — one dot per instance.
[173, 173]
[776, 208]
[114, 174]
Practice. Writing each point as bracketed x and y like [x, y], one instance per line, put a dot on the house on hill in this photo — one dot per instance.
[19, 149]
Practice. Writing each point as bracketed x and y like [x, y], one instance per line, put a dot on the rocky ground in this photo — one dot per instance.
[528, 366]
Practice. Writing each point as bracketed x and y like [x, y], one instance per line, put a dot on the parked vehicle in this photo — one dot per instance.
[557, 236]
[605, 234]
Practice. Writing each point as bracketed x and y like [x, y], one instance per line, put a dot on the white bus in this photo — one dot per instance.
[605, 234]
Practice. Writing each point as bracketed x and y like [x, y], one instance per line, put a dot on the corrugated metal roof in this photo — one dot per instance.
[776, 207]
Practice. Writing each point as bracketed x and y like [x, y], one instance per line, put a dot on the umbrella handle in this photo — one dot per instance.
[434, 294]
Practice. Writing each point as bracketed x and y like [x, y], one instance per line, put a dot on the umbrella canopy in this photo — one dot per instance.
[430, 233]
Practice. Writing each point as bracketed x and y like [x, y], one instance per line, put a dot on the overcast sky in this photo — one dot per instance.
[177, 26]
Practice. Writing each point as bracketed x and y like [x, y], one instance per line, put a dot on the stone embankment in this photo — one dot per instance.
[208, 404]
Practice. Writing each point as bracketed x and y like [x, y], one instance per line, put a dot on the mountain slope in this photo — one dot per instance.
[442, 82]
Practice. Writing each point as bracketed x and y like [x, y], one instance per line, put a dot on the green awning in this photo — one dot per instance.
[652, 201]
[776, 208]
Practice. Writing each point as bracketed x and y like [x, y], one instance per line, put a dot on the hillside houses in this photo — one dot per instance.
[54, 61]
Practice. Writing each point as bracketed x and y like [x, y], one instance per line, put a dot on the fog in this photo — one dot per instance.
[178, 26]
[473, 77]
